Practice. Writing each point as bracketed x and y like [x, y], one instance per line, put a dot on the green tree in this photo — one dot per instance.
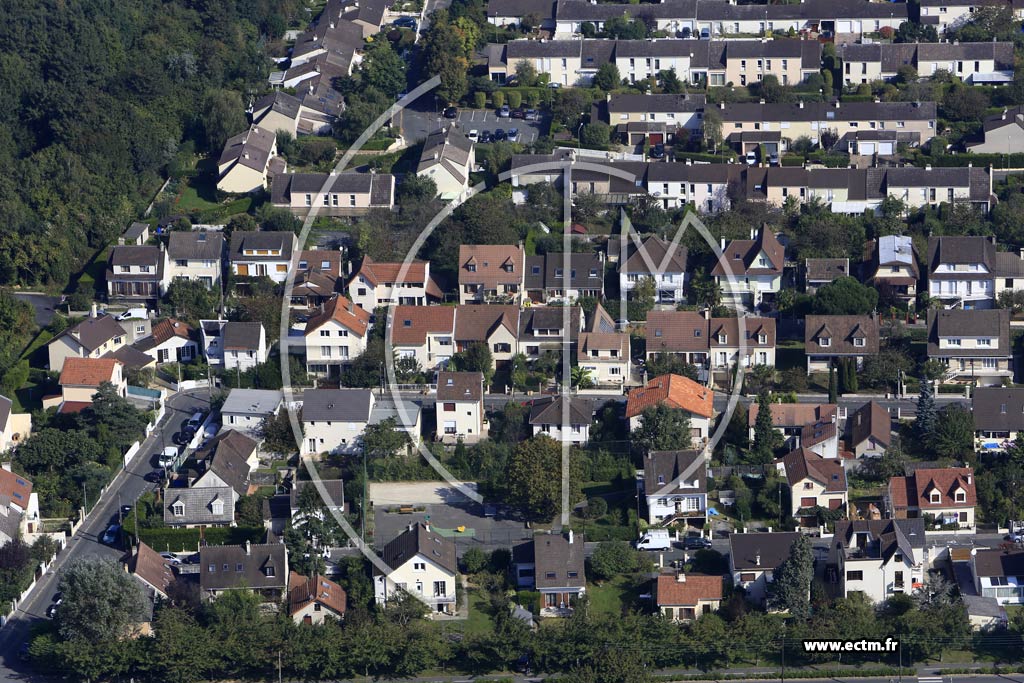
[607, 77]
[475, 358]
[641, 299]
[531, 482]
[596, 135]
[845, 296]
[191, 300]
[382, 68]
[712, 128]
[927, 417]
[277, 433]
[101, 602]
[222, 116]
[670, 364]
[954, 433]
[663, 428]
[444, 55]
[474, 560]
[526, 73]
[384, 439]
[581, 377]
[670, 82]
[833, 385]
[766, 439]
[612, 558]
[790, 591]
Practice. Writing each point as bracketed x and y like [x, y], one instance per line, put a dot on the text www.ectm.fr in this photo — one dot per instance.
[887, 645]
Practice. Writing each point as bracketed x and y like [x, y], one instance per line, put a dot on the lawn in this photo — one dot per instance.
[790, 354]
[479, 621]
[198, 194]
[612, 596]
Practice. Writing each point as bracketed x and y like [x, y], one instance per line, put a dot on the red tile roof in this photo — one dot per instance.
[304, 591]
[343, 312]
[15, 487]
[412, 324]
[149, 566]
[87, 372]
[69, 407]
[673, 592]
[914, 491]
[675, 391]
[676, 331]
[377, 273]
[803, 464]
[169, 327]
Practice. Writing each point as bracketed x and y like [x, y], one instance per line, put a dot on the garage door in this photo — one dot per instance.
[657, 138]
[844, 27]
[867, 148]
[886, 148]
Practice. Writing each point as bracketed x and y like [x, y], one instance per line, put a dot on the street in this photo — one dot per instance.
[127, 486]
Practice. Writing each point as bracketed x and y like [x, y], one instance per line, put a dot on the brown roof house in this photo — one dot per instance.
[945, 496]
[92, 338]
[152, 570]
[491, 273]
[377, 283]
[890, 263]
[755, 267]
[564, 418]
[258, 567]
[803, 425]
[318, 277]
[313, 599]
[244, 165]
[603, 351]
[821, 271]
[814, 482]
[724, 347]
[677, 392]
[448, 157]
[679, 333]
[172, 341]
[81, 378]
[753, 559]
[828, 338]
[974, 345]
[496, 326]
[869, 431]
[657, 259]
[553, 565]
[684, 597]
[425, 333]
[675, 486]
[137, 274]
[334, 336]
[421, 563]
[460, 407]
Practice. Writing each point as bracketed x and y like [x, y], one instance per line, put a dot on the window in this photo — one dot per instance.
[961, 497]
[449, 407]
[746, 577]
[855, 576]
[808, 485]
[440, 589]
[212, 567]
[239, 567]
[269, 572]
[984, 342]
[325, 333]
[824, 342]
[935, 497]
[859, 341]
[309, 200]
[419, 566]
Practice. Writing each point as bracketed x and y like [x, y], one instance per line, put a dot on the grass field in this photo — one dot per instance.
[613, 596]
[790, 354]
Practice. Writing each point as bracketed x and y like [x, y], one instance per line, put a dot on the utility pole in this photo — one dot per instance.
[85, 502]
[362, 515]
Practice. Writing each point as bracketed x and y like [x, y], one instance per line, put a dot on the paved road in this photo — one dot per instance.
[126, 488]
[421, 118]
[42, 304]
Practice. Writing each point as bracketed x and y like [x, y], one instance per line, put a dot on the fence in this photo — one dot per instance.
[184, 385]
[131, 452]
[40, 572]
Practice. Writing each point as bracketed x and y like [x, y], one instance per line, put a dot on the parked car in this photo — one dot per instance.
[155, 477]
[486, 137]
[518, 113]
[51, 611]
[751, 158]
[405, 22]
[532, 115]
[473, 135]
[696, 543]
[513, 135]
[773, 159]
[170, 557]
[112, 533]
[505, 111]
[451, 112]
[500, 135]
[168, 457]
[1015, 537]
[658, 151]
[554, 86]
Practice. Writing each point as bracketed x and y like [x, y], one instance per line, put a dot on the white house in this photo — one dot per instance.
[460, 407]
[380, 284]
[334, 336]
[423, 564]
[998, 574]
[448, 157]
[262, 254]
[753, 559]
[491, 273]
[564, 418]
[313, 599]
[724, 352]
[195, 255]
[675, 486]
[814, 482]
[333, 420]
[553, 565]
[137, 274]
[245, 410]
[878, 558]
[973, 345]
[235, 345]
[14, 427]
[603, 351]
[655, 259]
[172, 341]
[755, 268]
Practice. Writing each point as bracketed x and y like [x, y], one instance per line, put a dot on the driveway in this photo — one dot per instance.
[126, 488]
[488, 533]
[419, 120]
[41, 303]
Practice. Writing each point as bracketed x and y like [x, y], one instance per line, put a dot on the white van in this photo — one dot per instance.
[655, 539]
[168, 457]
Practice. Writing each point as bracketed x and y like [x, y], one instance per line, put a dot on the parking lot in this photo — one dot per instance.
[482, 120]
[487, 533]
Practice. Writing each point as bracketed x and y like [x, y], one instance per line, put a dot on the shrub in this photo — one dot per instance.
[479, 99]
[474, 561]
[498, 99]
[515, 99]
[596, 507]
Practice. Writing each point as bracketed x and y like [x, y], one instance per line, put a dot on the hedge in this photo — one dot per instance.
[792, 160]
[979, 160]
[726, 158]
[184, 540]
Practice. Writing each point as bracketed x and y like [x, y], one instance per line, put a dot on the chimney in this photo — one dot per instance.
[92, 311]
[837, 104]
[721, 105]
[248, 548]
[969, 478]
[928, 167]
[661, 560]
[801, 104]
[426, 526]
[757, 559]
[761, 101]
[570, 537]
[6, 465]
[681, 577]
[723, 244]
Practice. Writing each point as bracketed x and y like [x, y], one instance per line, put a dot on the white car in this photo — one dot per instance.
[474, 135]
[751, 158]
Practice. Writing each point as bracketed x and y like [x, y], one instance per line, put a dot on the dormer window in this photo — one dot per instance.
[217, 507]
[859, 341]
[762, 339]
[471, 267]
[178, 509]
[961, 496]
[824, 342]
[269, 572]
[723, 338]
[935, 497]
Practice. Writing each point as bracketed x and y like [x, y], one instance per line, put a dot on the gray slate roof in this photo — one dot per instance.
[340, 405]
[549, 410]
[252, 401]
[771, 548]
[420, 540]
[994, 322]
[92, 333]
[195, 246]
[664, 468]
[269, 240]
[198, 504]
[998, 409]
[242, 336]
[558, 564]
[224, 567]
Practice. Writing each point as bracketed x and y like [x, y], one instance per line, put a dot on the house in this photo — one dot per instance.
[549, 328]
[998, 417]
[258, 567]
[448, 157]
[137, 234]
[333, 420]
[890, 264]
[680, 393]
[968, 272]
[802, 425]
[821, 271]
[814, 482]
[425, 333]
[678, 333]
[982, 63]
[657, 259]
[685, 597]
[334, 502]
[317, 278]
[564, 418]
[195, 255]
[553, 565]
[234, 345]
[262, 254]
[869, 431]
[497, 326]
[460, 407]
[753, 559]
[423, 564]
[152, 571]
[82, 377]
[377, 283]
[14, 427]
[754, 275]
[951, 14]
[945, 496]
[675, 485]
[653, 117]
[1003, 133]
[311, 600]
[334, 336]
[245, 410]
[333, 194]
[878, 558]
[277, 112]
[491, 273]
[604, 353]
[245, 163]
[829, 338]
[228, 460]
[998, 574]
[137, 274]
[563, 278]
[19, 504]
[974, 345]
[203, 506]
[91, 338]
[725, 350]
[172, 341]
